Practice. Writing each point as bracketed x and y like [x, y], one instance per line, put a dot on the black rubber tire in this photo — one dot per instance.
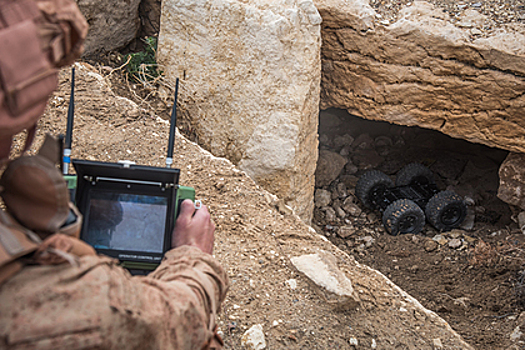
[446, 210]
[371, 186]
[403, 216]
[414, 172]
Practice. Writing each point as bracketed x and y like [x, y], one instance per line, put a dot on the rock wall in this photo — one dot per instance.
[423, 70]
[250, 78]
[112, 24]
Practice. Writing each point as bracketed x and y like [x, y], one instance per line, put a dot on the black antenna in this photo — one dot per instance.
[61, 152]
[173, 124]
[69, 128]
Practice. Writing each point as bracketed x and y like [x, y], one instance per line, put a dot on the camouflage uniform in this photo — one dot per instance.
[98, 305]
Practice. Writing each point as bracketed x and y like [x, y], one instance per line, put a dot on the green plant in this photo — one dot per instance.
[142, 66]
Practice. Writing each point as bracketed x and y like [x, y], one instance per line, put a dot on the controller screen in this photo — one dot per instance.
[126, 222]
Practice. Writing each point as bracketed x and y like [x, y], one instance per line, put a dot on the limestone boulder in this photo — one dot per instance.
[512, 180]
[112, 24]
[249, 86]
[425, 70]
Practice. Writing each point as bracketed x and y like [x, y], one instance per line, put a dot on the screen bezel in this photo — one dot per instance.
[121, 179]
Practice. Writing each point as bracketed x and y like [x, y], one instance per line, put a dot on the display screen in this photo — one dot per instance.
[127, 222]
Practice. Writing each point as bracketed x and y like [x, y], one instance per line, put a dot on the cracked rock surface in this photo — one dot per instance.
[426, 69]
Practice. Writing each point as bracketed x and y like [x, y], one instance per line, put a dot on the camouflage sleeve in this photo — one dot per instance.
[198, 271]
[199, 286]
[99, 305]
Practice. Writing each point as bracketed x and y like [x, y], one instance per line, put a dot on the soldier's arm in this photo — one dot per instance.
[192, 276]
[193, 285]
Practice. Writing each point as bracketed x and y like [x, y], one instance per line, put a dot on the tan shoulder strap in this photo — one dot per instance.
[15, 242]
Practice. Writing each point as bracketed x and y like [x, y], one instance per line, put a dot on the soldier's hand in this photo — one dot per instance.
[194, 227]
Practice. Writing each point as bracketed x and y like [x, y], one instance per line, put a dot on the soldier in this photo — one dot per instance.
[55, 292]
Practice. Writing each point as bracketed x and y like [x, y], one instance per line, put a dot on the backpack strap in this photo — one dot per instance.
[15, 242]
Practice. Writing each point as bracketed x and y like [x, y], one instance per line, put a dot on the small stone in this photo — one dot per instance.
[516, 334]
[521, 221]
[437, 344]
[414, 268]
[368, 240]
[348, 200]
[430, 245]
[350, 168]
[468, 222]
[346, 231]
[367, 159]
[363, 141]
[383, 141]
[340, 212]
[374, 344]
[352, 209]
[253, 338]
[291, 283]
[333, 284]
[455, 243]
[479, 210]
[340, 189]
[345, 151]
[469, 200]
[322, 198]
[349, 180]
[329, 214]
[470, 239]
[455, 233]
[340, 141]
[441, 240]
[475, 31]
[353, 341]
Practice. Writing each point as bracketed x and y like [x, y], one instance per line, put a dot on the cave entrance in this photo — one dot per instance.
[350, 145]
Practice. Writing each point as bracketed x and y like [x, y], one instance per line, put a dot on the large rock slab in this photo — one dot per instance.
[112, 24]
[250, 76]
[424, 70]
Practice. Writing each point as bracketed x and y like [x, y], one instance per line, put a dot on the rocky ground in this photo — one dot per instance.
[473, 276]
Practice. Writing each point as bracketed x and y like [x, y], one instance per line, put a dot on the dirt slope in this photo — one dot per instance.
[254, 240]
